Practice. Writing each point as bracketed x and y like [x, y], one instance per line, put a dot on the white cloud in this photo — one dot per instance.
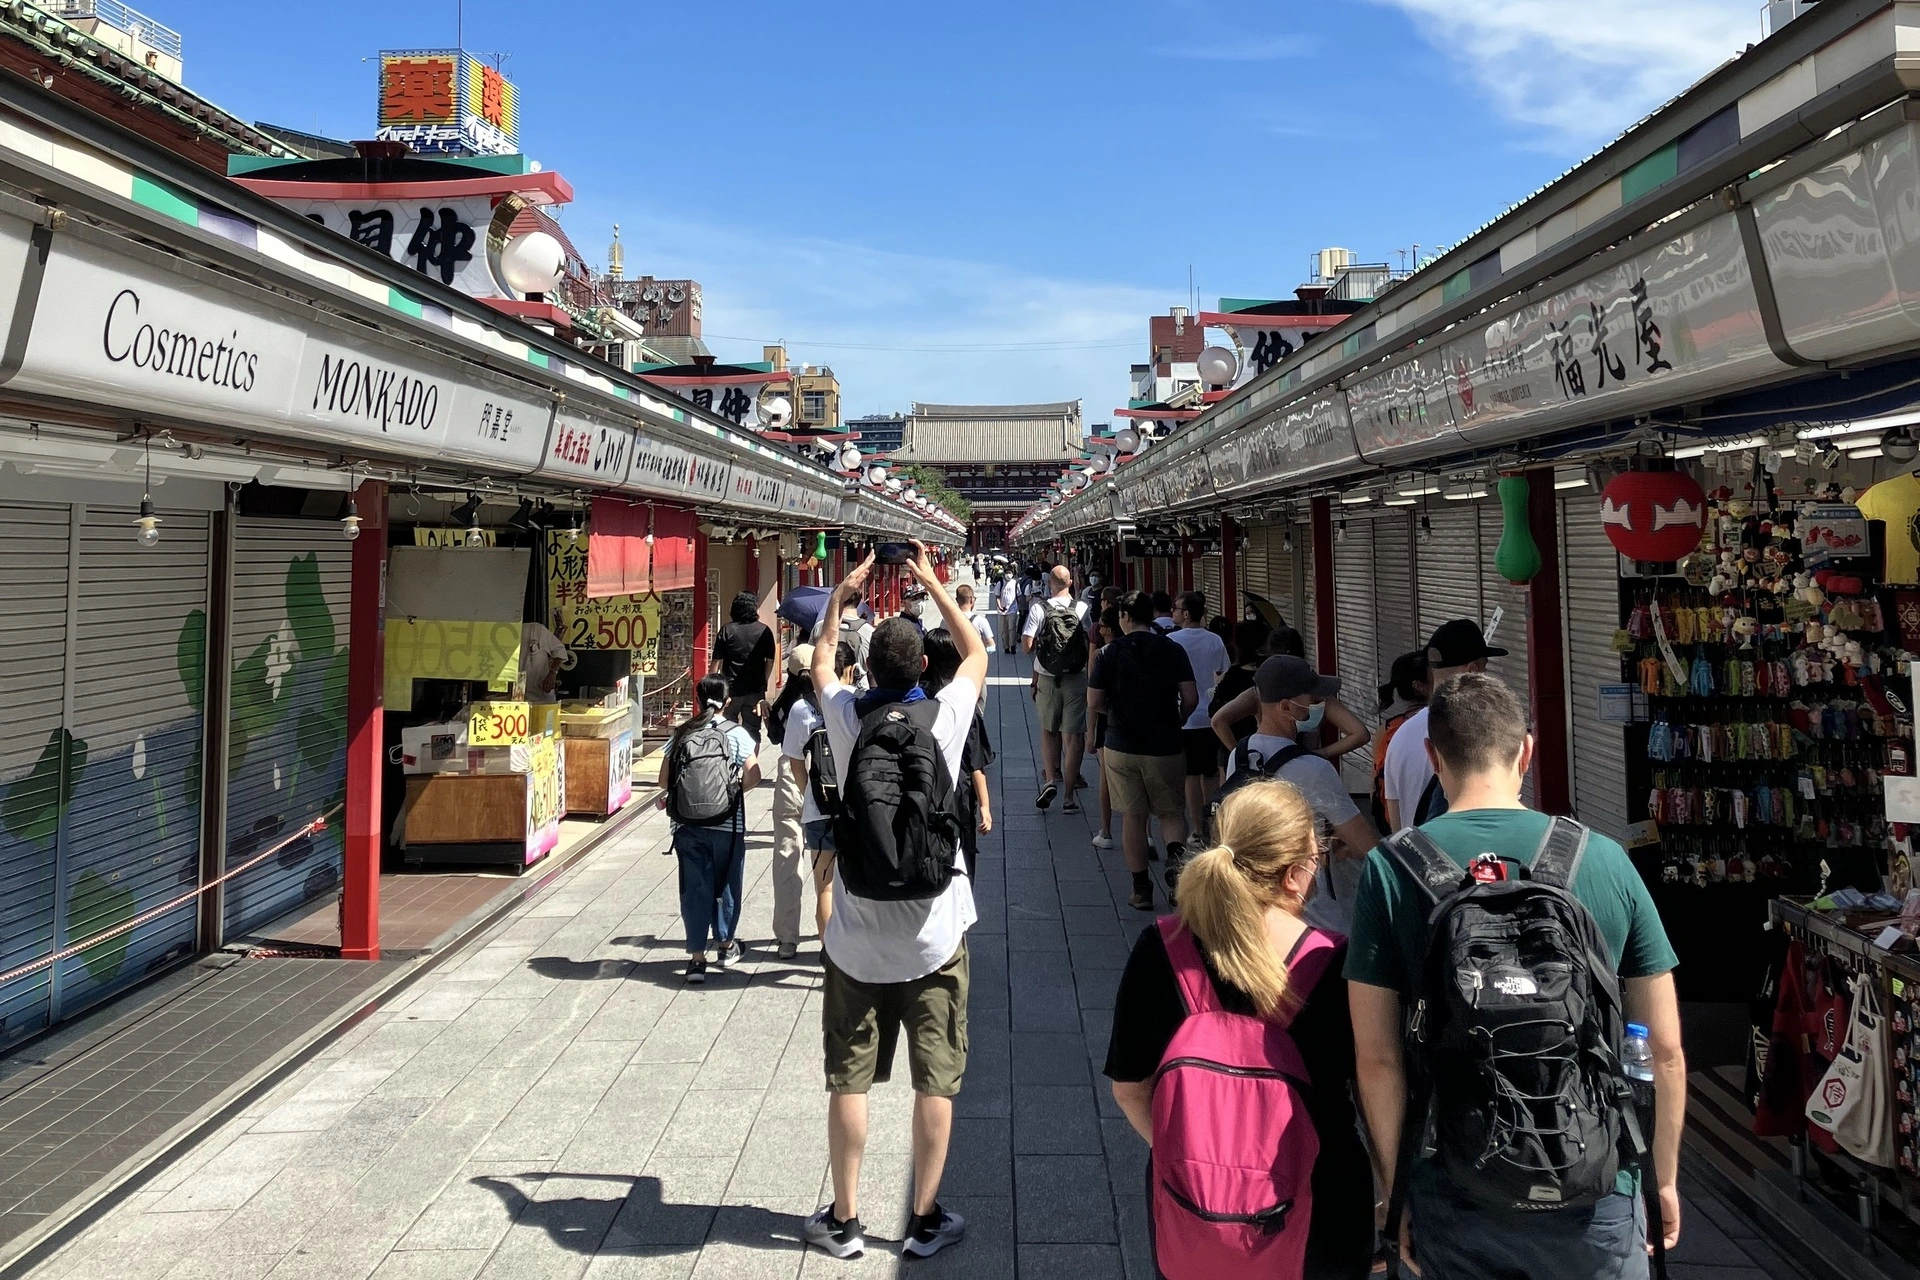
[1585, 71]
[899, 327]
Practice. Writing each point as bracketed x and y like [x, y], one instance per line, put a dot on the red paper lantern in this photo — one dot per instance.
[1653, 515]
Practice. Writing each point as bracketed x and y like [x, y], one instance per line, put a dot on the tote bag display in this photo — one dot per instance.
[1854, 1099]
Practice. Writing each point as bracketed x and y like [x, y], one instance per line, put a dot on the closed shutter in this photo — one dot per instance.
[1283, 573]
[1447, 566]
[1207, 578]
[132, 835]
[1304, 572]
[1253, 565]
[1590, 581]
[1355, 633]
[1497, 593]
[1394, 619]
[286, 745]
[33, 653]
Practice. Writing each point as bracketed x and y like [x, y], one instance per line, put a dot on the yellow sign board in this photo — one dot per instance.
[425, 537]
[497, 724]
[428, 649]
[609, 622]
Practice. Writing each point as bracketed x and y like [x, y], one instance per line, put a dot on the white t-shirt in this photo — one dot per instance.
[1038, 612]
[985, 630]
[1009, 592]
[1331, 906]
[1165, 624]
[1207, 654]
[802, 720]
[1407, 771]
[875, 941]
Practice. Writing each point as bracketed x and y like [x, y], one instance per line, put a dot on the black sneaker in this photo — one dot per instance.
[1047, 793]
[732, 953]
[696, 971]
[1142, 900]
[841, 1239]
[1072, 804]
[929, 1233]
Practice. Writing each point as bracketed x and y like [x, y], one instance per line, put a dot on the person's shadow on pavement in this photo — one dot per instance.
[642, 1222]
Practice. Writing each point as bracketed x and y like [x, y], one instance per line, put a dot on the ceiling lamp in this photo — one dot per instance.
[147, 522]
[1899, 445]
[350, 522]
[467, 516]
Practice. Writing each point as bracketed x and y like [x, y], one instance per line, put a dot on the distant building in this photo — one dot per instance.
[880, 433]
[1002, 458]
[816, 403]
[669, 311]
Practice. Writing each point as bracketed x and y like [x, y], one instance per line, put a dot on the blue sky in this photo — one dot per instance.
[984, 202]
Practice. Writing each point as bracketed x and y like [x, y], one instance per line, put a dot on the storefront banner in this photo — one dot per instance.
[757, 489]
[1262, 342]
[733, 401]
[587, 448]
[1405, 406]
[1304, 439]
[1187, 478]
[803, 500]
[630, 622]
[115, 331]
[620, 771]
[497, 724]
[546, 797]
[674, 472]
[1660, 326]
[437, 649]
[638, 548]
[493, 426]
[441, 237]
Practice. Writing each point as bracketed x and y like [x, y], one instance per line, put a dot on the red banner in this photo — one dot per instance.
[619, 560]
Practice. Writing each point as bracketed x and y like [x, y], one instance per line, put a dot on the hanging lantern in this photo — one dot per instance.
[1653, 516]
[1517, 559]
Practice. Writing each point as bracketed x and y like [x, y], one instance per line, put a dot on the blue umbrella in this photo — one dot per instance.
[803, 605]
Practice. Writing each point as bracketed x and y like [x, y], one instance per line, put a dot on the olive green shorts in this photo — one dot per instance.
[861, 1023]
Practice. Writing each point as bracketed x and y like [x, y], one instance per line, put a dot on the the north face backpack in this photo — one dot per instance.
[1233, 1142]
[705, 786]
[898, 830]
[823, 778]
[1061, 643]
[1513, 1044]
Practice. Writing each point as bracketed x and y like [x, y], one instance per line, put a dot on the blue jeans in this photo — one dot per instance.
[712, 873]
[819, 835]
[1457, 1240]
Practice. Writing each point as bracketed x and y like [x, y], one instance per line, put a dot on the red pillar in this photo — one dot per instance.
[1186, 564]
[1229, 569]
[702, 628]
[1323, 601]
[1546, 671]
[361, 836]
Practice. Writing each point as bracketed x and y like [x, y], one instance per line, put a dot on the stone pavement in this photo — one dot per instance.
[556, 1103]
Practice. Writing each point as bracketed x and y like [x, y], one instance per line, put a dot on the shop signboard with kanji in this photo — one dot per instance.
[630, 622]
[442, 237]
[1263, 341]
[447, 102]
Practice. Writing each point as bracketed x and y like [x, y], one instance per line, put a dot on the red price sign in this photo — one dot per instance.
[497, 724]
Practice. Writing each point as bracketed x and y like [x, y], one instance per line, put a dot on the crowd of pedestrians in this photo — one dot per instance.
[1374, 1029]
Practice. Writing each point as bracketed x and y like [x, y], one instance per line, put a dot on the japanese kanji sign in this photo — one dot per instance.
[446, 102]
[608, 622]
[444, 239]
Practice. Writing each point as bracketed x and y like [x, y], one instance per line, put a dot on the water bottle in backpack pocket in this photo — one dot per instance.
[1233, 1143]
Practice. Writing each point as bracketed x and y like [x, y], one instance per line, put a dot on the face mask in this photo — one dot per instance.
[1311, 721]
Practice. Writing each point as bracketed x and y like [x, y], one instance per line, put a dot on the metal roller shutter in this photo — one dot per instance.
[1206, 574]
[1304, 574]
[1497, 593]
[286, 757]
[34, 566]
[1283, 573]
[1394, 618]
[1354, 604]
[1447, 566]
[1253, 563]
[1590, 581]
[131, 840]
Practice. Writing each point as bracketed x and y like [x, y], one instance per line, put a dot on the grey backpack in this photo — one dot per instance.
[705, 786]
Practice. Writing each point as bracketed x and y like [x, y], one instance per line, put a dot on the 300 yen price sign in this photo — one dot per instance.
[497, 724]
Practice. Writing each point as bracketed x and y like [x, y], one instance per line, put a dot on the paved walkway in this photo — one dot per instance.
[556, 1103]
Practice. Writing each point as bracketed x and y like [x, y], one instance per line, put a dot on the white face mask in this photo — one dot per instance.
[1310, 721]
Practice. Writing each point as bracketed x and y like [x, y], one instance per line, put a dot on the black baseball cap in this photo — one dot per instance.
[1459, 642]
[1282, 678]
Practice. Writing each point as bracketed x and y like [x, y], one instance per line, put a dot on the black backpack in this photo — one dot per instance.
[705, 787]
[898, 828]
[1513, 1042]
[823, 778]
[1433, 802]
[1061, 643]
[1247, 770]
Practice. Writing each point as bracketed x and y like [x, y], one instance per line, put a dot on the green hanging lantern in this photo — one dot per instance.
[1517, 559]
[820, 546]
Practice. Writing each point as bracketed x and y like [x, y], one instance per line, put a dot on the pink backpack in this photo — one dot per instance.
[1233, 1145]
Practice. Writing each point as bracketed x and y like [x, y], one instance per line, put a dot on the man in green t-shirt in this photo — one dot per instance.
[1478, 741]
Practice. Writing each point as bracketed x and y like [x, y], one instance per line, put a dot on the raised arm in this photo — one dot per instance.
[1242, 706]
[823, 675]
[973, 654]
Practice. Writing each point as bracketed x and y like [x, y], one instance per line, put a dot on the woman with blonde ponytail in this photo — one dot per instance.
[1241, 919]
